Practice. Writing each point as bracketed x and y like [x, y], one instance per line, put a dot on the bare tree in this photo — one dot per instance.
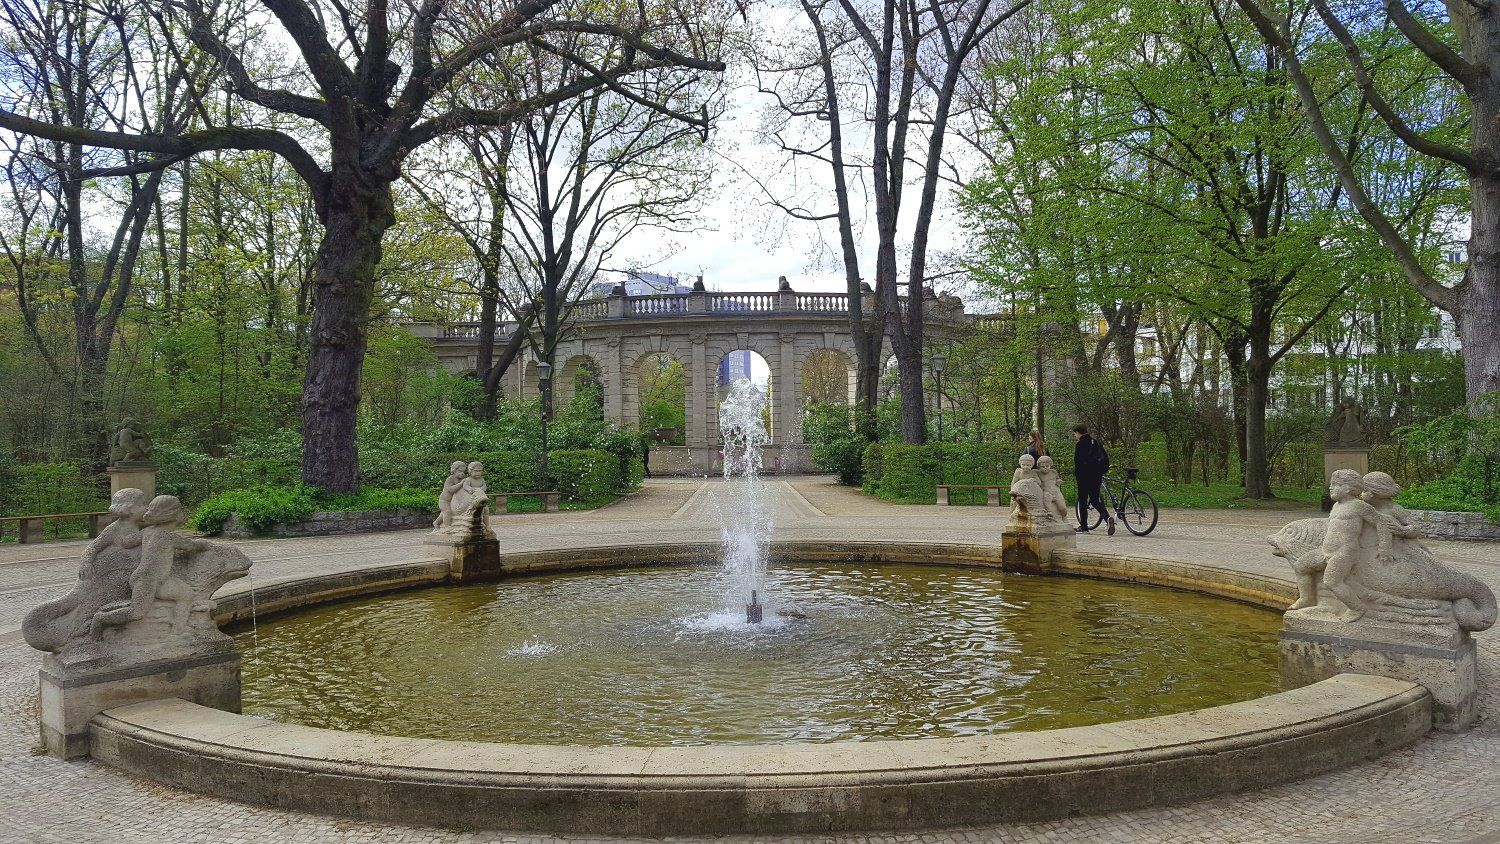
[82, 66]
[899, 62]
[375, 81]
[586, 174]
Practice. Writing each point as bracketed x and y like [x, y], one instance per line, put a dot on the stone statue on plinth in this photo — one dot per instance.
[1345, 427]
[1036, 527]
[1373, 599]
[130, 445]
[463, 506]
[138, 625]
[1057, 503]
[463, 524]
[130, 465]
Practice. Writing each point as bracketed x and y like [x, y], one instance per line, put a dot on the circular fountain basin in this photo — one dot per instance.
[820, 765]
[846, 653]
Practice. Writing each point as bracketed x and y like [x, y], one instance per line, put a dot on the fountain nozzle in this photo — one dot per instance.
[753, 609]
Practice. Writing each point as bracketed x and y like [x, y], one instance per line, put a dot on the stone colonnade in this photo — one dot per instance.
[620, 336]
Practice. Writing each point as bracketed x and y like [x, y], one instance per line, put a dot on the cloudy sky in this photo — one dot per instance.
[745, 242]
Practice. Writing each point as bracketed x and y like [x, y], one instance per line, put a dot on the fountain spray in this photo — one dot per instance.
[747, 531]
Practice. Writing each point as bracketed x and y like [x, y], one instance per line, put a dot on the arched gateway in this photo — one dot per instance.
[618, 334]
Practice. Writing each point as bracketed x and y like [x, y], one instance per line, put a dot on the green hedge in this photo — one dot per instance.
[842, 456]
[504, 471]
[909, 474]
[588, 475]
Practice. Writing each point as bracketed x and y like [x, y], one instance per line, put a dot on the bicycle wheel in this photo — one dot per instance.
[1138, 511]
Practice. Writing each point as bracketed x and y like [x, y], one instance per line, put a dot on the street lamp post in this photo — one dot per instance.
[939, 364]
[544, 382]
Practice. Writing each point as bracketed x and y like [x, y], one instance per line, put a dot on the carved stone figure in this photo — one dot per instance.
[456, 474]
[468, 506]
[131, 445]
[1345, 428]
[103, 578]
[1057, 504]
[1028, 503]
[145, 591]
[1365, 563]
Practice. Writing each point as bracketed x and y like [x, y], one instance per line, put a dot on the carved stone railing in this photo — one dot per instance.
[698, 303]
[666, 303]
[720, 303]
[825, 303]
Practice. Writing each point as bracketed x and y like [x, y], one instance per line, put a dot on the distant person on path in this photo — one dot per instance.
[646, 455]
[1090, 464]
[1038, 446]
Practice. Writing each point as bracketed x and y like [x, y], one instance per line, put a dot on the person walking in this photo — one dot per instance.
[1037, 448]
[1090, 464]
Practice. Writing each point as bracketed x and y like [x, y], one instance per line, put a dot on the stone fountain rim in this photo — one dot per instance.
[764, 788]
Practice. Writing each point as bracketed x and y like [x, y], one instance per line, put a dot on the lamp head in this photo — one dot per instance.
[939, 363]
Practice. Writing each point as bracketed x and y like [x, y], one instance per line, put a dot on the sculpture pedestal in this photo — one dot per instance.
[72, 696]
[1026, 550]
[470, 559]
[1356, 457]
[1312, 649]
[141, 476]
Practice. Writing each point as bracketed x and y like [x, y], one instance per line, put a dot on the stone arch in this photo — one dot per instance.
[639, 375]
[769, 348]
[827, 375]
[572, 371]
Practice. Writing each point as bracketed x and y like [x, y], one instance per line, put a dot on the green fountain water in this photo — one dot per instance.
[641, 657]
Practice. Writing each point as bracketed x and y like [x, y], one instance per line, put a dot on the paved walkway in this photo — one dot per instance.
[1444, 789]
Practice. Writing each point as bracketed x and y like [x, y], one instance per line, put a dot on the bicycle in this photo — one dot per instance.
[1133, 506]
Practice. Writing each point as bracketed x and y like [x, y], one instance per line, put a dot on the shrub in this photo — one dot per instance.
[842, 456]
[585, 474]
[874, 467]
[258, 508]
[44, 488]
[626, 447]
[909, 473]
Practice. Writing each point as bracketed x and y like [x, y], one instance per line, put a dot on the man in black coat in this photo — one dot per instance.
[1090, 463]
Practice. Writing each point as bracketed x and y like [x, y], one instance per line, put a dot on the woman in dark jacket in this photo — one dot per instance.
[1089, 467]
[1037, 448]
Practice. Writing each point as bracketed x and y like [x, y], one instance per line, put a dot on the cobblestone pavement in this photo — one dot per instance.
[1445, 789]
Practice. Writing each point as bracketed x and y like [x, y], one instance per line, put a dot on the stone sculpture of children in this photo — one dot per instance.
[103, 578]
[1381, 490]
[160, 543]
[457, 473]
[472, 495]
[1343, 548]
[1057, 505]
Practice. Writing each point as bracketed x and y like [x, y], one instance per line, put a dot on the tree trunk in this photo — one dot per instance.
[913, 399]
[867, 367]
[1257, 393]
[489, 306]
[1478, 311]
[360, 210]
[1234, 354]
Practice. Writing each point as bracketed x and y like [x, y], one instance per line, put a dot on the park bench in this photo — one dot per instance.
[551, 497]
[30, 527]
[994, 492]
